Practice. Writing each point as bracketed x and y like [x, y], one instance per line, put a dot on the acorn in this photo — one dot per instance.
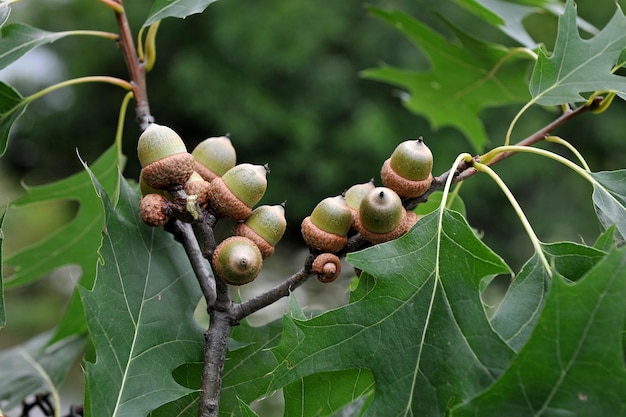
[355, 194]
[240, 188]
[155, 209]
[214, 156]
[164, 158]
[409, 169]
[382, 216]
[327, 227]
[265, 227]
[237, 260]
[327, 267]
[196, 185]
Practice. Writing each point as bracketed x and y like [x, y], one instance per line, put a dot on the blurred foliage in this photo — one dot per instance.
[282, 77]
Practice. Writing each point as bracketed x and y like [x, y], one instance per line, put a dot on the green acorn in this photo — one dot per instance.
[265, 227]
[238, 190]
[237, 260]
[382, 216]
[164, 158]
[409, 169]
[327, 227]
[214, 156]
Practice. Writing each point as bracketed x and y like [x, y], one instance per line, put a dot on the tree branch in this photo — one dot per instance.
[135, 67]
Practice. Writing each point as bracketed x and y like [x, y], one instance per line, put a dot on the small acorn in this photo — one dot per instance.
[214, 156]
[409, 169]
[164, 158]
[355, 194]
[155, 210]
[196, 185]
[237, 260]
[240, 188]
[265, 227]
[382, 216]
[327, 267]
[327, 227]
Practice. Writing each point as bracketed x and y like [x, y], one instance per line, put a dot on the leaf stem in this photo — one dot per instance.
[97, 33]
[561, 141]
[81, 80]
[520, 213]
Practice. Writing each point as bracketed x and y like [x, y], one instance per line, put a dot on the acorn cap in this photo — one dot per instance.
[215, 156]
[405, 224]
[266, 248]
[169, 171]
[237, 260]
[381, 210]
[321, 240]
[327, 266]
[225, 203]
[247, 182]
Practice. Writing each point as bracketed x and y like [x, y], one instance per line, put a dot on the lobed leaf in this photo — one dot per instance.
[517, 314]
[416, 321]
[162, 9]
[36, 367]
[464, 78]
[139, 314]
[573, 363]
[579, 65]
[609, 199]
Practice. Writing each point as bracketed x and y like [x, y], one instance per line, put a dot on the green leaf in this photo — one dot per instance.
[325, 393]
[5, 11]
[12, 105]
[579, 65]
[3, 313]
[509, 19]
[36, 367]
[465, 78]
[77, 242]
[416, 322]
[573, 363]
[519, 311]
[609, 199]
[139, 314]
[246, 411]
[19, 38]
[162, 9]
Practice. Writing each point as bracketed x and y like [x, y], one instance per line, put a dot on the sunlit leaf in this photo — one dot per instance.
[573, 363]
[579, 65]
[12, 106]
[139, 314]
[416, 321]
[36, 367]
[465, 77]
[609, 198]
[162, 9]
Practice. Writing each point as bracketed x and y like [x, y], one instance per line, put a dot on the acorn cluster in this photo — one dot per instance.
[377, 213]
[189, 186]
